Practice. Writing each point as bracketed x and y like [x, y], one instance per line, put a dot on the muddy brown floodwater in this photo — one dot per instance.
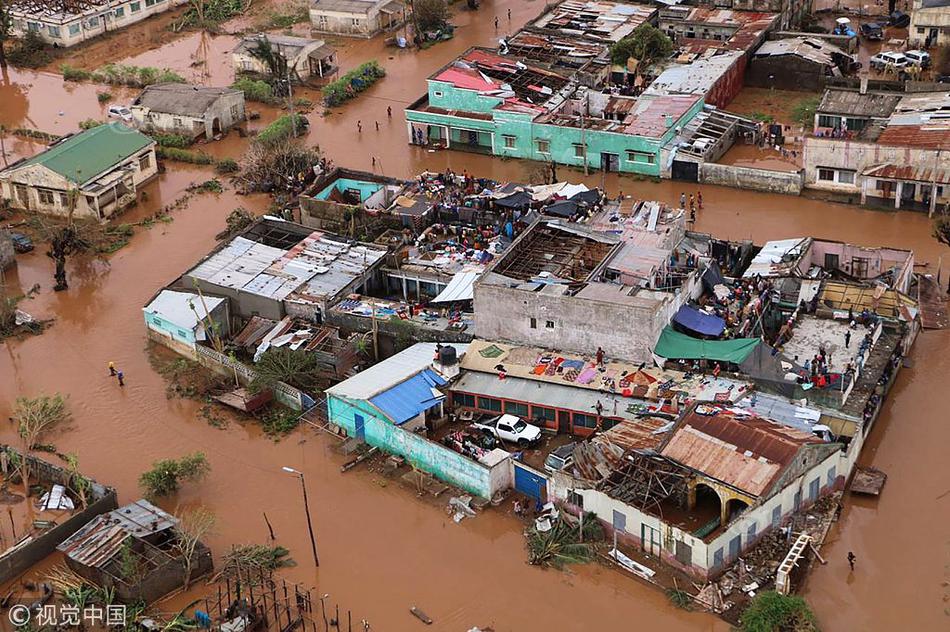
[381, 549]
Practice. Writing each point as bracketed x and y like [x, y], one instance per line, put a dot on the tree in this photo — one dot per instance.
[78, 483]
[772, 612]
[166, 475]
[192, 527]
[35, 418]
[278, 69]
[6, 25]
[297, 368]
[430, 15]
[646, 44]
[65, 240]
[804, 111]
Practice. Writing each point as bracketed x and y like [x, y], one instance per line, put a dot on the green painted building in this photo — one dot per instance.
[487, 103]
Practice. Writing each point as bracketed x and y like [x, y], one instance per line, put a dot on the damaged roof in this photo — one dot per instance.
[853, 103]
[744, 451]
[181, 98]
[810, 48]
[603, 21]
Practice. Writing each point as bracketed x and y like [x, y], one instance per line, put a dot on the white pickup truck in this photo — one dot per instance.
[510, 428]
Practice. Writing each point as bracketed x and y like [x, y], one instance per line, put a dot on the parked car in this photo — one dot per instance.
[510, 428]
[560, 459]
[120, 112]
[918, 58]
[888, 59]
[21, 243]
[899, 19]
[872, 31]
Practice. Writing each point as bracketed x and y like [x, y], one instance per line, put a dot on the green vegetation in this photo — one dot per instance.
[256, 90]
[772, 612]
[208, 186]
[299, 369]
[226, 165]
[431, 15]
[183, 155]
[172, 140]
[122, 75]
[238, 220]
[278, 421]
[166, 475]
[804, 111]
[284, 18]
[765, 118]
[31, 52]
[103, 97]
[562, 545]
[89, 123]
[646, 44]
[208, 14]
[25, 132]
[250, 561]
[283, 129]
[352, 83]
[679, 598]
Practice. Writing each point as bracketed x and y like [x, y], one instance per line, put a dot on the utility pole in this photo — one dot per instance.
[584, 132]
[306, 508]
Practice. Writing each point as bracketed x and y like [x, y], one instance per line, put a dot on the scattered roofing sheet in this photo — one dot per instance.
[778, 258]
[654, 117]
[676, 346]
[460, 288]
[810, 48]
[84, 156]
[406, 400]
[915, 173]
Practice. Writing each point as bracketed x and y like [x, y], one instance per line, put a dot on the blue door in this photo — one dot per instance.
[529, 482]
[360, 427]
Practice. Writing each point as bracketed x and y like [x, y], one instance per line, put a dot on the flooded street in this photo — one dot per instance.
[383, 550]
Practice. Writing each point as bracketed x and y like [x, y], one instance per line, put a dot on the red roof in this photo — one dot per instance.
[909, 172]
[741, 450]
[923, 136]
[466, 78]
[651, 121]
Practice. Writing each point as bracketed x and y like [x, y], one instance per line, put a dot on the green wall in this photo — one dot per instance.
[438, 460]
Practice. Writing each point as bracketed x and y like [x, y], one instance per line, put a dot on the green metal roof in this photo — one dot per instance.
[91, 152]
[675, 346]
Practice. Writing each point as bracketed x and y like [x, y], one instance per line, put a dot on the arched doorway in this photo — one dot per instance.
[215, 128]
[734, 507]
[706, 507]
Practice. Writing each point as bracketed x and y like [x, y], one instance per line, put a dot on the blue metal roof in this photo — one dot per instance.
[407, 399]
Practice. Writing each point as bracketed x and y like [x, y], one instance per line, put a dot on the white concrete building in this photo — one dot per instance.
[67, 24]
[103, 167]
[930, 23]
[179, 108]
[356, 18]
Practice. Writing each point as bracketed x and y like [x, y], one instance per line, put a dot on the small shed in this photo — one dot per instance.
[180, 320]
[310, 58]
[797, 63]
[133, 550]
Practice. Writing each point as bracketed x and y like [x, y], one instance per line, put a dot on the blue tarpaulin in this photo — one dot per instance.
[410, 397]
[698, 321]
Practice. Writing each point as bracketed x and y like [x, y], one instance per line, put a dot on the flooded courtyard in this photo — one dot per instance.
[383, 550]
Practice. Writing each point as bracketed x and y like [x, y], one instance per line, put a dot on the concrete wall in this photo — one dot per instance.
[7, 252]
[352, 24]
[75, 29]
[228, 110]
[879, 260]
[787, 182]
[624, 331]
[178, 338]
[937, 18]
[786, 72]
[429, 456]
[101, 499]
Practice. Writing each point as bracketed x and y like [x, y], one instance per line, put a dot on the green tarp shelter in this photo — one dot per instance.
[676, 346]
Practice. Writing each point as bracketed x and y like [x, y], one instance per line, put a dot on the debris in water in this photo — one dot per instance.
[419, 614]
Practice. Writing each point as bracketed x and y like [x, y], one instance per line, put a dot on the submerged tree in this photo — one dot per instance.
[6, 26]
[773, 612]
[35, 419]
[166, 475]
[431, 15]
[193, 526]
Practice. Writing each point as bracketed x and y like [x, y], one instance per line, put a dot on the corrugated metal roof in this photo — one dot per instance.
[934, 136]
[460, 288]
[908, 172]
[744, 451]
[184, 309]
[778, 257]
[853, 103]
[410, 397]
[650, 117]
[810, 48]
[181, 98]
[101, 538]
[390, 371]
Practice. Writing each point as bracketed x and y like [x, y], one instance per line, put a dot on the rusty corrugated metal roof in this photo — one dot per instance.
[909, 172]
[926, 136]
[742, 450]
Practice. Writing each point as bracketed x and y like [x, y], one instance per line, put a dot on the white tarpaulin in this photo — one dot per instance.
[460, 288]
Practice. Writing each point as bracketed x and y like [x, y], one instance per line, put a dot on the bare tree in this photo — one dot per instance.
[36, 418]
[193, 526]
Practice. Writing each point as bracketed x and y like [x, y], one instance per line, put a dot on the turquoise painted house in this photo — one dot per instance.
[488, 103]
[390, 405]
[179, 320]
